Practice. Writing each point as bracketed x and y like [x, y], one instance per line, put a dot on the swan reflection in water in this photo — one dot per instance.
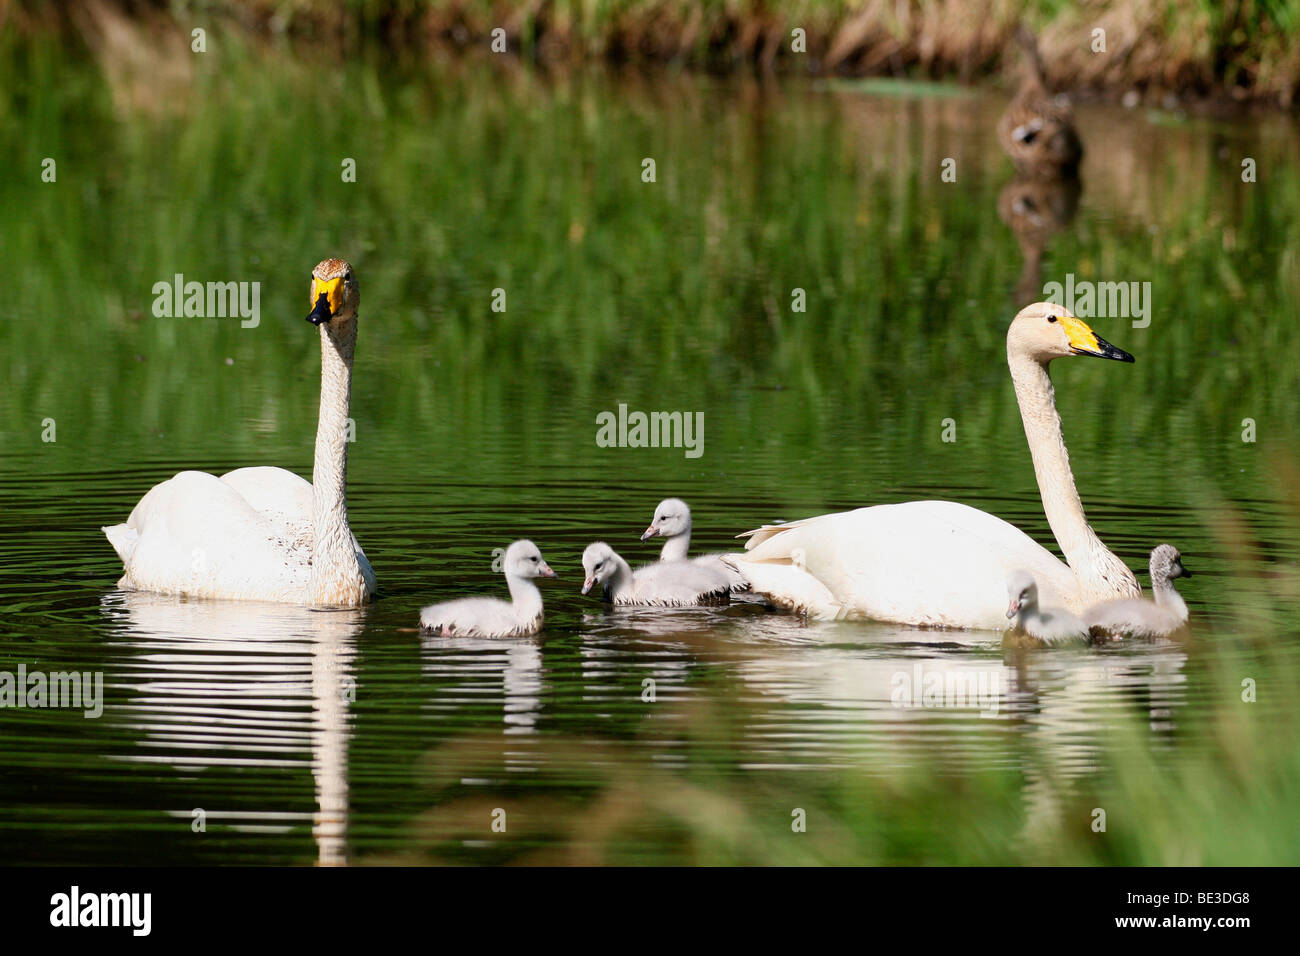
[885, 697]
[214, 683]
[881, 697]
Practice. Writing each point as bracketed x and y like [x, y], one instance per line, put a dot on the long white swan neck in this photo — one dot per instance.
[524, 595]
[1101, 574]
[336, 578]
[676, 547]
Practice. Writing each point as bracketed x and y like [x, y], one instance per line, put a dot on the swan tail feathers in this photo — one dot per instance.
[759, 535]
[123, 538]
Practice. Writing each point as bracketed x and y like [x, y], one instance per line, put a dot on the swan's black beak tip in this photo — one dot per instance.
[1103, 349]
[1107, 351]
[321, 313]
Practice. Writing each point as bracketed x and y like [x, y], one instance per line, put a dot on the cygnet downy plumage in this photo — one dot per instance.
[492, 617]
[1135, 617]
[665, 584]
[672, 522]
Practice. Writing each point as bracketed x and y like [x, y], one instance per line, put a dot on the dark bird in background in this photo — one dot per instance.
[1037, 130]
[1036, 209]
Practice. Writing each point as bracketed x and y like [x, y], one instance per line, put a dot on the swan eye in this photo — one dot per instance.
[1051, 318]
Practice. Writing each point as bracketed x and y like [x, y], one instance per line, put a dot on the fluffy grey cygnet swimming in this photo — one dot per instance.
[1135, 617]
[672, 522]
[1045, 625]
[665, 584]
[492, 617]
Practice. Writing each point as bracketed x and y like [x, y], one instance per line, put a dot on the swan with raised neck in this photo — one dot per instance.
[942, 563]
[264, 533]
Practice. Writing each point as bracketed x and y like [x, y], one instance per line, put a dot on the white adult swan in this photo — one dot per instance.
[1043, 625]
[1134, 617]
[670, 584]
[672, 522]
[264, 534]
[492, 617]
[945, 564]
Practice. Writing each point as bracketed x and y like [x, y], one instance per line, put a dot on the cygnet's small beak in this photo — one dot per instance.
[588, 584]
[546, 572]
[1182, 570]
[650, 532]
[1014, 609]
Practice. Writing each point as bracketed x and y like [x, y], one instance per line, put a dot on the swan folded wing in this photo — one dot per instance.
[935, 563]
[479, 617]
[273, 490]
[195, 534]
[284, 500]
[759, 535]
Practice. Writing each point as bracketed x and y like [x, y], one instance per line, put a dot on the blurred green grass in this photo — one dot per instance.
[618, 289]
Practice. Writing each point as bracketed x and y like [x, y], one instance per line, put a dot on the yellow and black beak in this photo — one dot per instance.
[1084, 341]
[326, 299]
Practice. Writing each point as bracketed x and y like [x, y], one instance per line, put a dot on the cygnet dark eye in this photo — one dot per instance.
[1051, 318]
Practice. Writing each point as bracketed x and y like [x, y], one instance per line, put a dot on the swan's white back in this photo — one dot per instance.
[929, 563]
[194, 534]
[244, 536]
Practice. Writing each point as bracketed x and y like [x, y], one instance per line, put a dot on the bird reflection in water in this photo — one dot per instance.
[223, 683]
